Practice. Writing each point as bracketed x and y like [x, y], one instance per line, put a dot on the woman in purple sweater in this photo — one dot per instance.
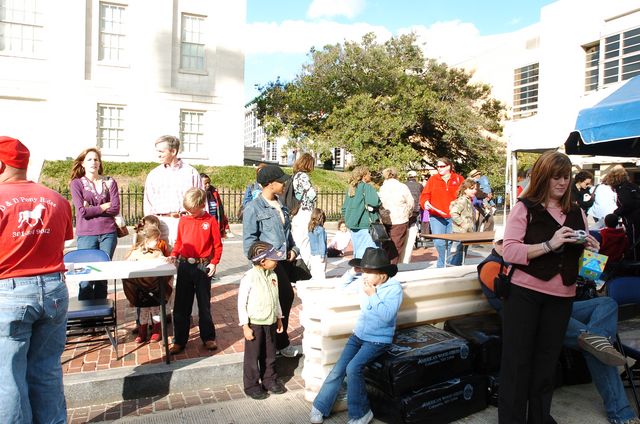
[97, 202]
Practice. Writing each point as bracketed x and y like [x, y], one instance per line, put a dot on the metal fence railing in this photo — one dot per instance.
[131, 203]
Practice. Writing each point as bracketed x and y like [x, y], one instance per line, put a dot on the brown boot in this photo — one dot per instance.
[156, 332]
[142, 333]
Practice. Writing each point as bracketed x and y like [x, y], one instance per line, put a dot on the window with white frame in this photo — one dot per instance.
[525, 91]
[192, 131]
[592, 68]
[111, 46]
[110, 127]
[20, 27]
[192, 43]
[621, 56]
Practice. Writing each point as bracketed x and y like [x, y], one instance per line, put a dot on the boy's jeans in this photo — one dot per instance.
[33, 321]
[356, 354]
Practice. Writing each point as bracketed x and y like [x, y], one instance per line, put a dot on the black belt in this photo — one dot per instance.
[194, 261]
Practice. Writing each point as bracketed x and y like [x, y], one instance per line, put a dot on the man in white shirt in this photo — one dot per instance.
[166, 185]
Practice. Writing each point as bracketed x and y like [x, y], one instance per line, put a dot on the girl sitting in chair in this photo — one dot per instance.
[144, 292]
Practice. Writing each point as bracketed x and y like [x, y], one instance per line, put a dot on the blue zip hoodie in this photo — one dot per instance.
[378, 312]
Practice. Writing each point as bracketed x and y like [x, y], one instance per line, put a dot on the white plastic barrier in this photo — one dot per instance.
[329, 313]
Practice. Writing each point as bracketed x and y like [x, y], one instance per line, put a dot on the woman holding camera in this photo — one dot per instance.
[542, 243]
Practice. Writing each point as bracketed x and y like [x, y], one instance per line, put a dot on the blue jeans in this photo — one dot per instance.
[33, 321]
[107, 243]
[356, 355]
[361, 239]
[440, 226]
[600, 316]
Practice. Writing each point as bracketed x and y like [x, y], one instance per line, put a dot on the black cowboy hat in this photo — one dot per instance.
[376, 259]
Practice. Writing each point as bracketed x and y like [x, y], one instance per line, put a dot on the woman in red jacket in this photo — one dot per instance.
[437, 195]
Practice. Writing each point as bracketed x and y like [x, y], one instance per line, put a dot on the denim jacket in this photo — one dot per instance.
[318, 241]
[261, 221]
[378, 312]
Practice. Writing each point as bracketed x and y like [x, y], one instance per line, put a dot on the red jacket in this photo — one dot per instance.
[198, 237]
[614, 243]
[440, 193]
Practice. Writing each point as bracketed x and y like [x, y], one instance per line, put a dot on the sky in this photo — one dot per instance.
[280, 33]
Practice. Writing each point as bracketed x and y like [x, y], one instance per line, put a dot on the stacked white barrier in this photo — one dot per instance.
[329, 313]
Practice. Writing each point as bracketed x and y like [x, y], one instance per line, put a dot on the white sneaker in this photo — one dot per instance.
[290, 351]
[316, 416]
[365, 419]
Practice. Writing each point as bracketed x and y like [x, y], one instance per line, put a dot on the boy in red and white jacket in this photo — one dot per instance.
[197, 251]
[614, 239]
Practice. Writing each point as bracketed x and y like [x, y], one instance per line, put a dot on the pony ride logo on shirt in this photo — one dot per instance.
[31, 217]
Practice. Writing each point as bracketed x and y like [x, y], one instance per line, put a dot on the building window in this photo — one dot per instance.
[192, 44]
[621, 56]
[110, 127]
[592, 68]
[20, 27]
[525, 91]
[191, 131]
[112, 33]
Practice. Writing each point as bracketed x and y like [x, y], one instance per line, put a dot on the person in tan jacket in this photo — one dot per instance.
[463, 216]
[397, 206]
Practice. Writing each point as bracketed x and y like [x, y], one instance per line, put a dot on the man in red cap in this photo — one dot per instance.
[34, 223]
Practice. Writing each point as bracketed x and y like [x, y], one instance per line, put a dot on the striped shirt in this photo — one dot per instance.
[166, 185]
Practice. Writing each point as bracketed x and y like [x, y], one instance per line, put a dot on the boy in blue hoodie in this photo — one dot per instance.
[372, 336]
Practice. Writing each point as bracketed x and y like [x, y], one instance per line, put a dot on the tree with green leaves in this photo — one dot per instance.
[387, 105]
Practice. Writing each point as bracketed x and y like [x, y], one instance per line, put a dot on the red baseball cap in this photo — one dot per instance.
[13, 153]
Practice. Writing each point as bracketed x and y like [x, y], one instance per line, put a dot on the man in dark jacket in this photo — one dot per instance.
[581, 190]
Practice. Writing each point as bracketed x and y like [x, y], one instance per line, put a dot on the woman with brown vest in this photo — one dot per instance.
[540, 240]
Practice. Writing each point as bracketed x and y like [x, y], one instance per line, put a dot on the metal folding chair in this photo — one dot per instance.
[626, 291]
[95, 316]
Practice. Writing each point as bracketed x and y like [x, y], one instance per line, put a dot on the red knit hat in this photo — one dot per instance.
[13, 153]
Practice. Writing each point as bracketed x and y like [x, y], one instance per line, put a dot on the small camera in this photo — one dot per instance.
[580, 236]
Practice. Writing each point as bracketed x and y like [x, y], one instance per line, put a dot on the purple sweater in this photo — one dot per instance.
[90, 219]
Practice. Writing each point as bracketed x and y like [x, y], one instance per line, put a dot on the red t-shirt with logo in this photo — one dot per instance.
[198, 237]
[34, 223]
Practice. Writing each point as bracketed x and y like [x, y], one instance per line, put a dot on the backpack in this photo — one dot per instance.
[289, 198]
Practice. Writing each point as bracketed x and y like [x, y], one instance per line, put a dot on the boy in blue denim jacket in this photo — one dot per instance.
[372, 335]
[266, 219]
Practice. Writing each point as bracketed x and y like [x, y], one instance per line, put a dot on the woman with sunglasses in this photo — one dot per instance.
[441, 189]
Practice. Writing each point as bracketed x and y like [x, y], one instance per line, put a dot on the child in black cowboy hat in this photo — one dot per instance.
[372, 335]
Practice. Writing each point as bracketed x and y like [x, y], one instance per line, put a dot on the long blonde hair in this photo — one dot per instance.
[357, 175]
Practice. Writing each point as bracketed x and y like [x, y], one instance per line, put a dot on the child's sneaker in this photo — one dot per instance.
[290, 351]
[142, 334]
[315, 417]
[156, 332]
[365, 419]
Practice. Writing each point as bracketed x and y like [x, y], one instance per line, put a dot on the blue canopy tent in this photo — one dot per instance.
[611, 127]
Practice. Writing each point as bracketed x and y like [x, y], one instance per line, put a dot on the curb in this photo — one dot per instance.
[126, 383]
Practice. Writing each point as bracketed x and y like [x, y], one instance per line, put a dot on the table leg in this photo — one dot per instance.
[446, 253]
[464, 252]
[163, 322]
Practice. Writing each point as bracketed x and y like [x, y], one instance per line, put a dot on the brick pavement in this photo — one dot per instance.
[150, 405]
